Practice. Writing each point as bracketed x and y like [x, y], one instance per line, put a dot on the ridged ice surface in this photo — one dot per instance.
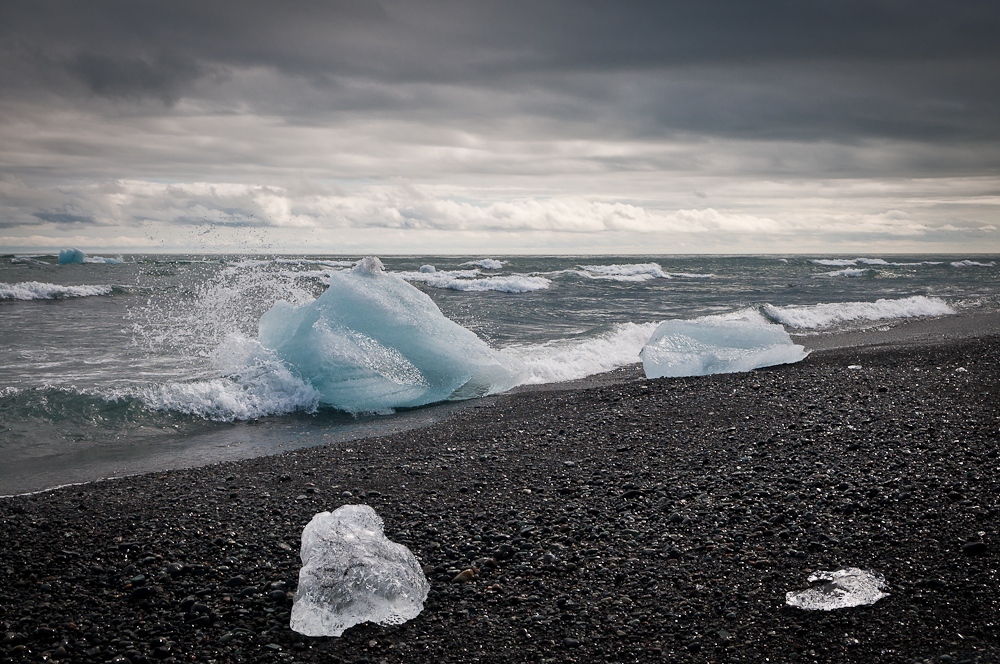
[351, 573]
[844, 588]
[373, 342]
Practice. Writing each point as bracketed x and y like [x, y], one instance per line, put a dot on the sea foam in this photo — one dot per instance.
[486, 264]
[35, 290]
[564, 360]
[469, 281]
[811, 317]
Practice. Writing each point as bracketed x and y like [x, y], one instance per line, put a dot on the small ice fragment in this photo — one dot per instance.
[854, 366]
[961, 370]
[351, 573]
[845, 587]
[428, 269]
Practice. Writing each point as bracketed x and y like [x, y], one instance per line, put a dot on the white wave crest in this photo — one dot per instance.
[628, 272]
[810, 317]
[968, 263]
[847, 272]
[486, 264]
[564, 360]
[254, 385]
[844, 262]
[35, 290]
[465, 280]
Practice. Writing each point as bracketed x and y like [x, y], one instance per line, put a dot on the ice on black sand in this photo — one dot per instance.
[844, 588]
[351, 573]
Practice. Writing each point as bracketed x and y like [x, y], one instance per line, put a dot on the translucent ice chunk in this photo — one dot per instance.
[845, 587]
[71, 256]
[351, 573]
[714, 344]
[373, 342]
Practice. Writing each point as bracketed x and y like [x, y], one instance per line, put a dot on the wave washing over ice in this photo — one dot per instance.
[559, 361]
[372, 343]
[34, 290]
[816, 316]
[255, 384]
[718, 344]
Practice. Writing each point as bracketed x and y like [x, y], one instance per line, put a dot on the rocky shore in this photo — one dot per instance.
[640, 521]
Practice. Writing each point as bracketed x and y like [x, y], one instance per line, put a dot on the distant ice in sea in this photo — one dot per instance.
[809, 317]
[68, 256]
[372, 343]
[717, 344]
[351, 573]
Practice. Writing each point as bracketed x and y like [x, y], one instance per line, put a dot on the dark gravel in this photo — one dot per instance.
[642, 521]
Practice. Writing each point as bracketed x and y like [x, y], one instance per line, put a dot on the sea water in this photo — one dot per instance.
[154, 362]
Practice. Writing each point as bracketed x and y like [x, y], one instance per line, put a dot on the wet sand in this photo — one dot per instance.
[629, 520]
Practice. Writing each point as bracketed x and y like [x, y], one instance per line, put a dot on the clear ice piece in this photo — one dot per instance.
[351, 573]
[844, 588]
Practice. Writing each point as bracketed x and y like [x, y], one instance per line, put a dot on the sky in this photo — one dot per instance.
[506, 127]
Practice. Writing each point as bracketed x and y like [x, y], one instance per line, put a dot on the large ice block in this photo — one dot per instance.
[373, 342]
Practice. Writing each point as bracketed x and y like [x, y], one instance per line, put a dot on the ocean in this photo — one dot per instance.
[124, 364]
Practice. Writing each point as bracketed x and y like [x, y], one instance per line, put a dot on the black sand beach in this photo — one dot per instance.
[629, 521]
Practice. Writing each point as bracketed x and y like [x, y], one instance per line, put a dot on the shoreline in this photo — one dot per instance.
[277, 435]
[637, 520]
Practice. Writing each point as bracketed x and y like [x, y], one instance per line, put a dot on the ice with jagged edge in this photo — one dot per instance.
[373, 343]
[844, 588]
[351, 573]
[717, 344]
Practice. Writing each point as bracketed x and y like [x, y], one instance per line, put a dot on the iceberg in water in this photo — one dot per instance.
[372, 343]
[351, 573]
[714, 345]
[71, 256]
[76, 256]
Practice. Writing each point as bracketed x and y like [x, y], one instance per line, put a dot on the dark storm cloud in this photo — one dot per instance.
[788, 69]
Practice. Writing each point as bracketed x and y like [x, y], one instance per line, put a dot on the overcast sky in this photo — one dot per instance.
[500, 127]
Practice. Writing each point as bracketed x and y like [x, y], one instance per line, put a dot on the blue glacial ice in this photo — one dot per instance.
[74, 255]
[372, 343]
[71, 256]
[717, 344]
[351, 573]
